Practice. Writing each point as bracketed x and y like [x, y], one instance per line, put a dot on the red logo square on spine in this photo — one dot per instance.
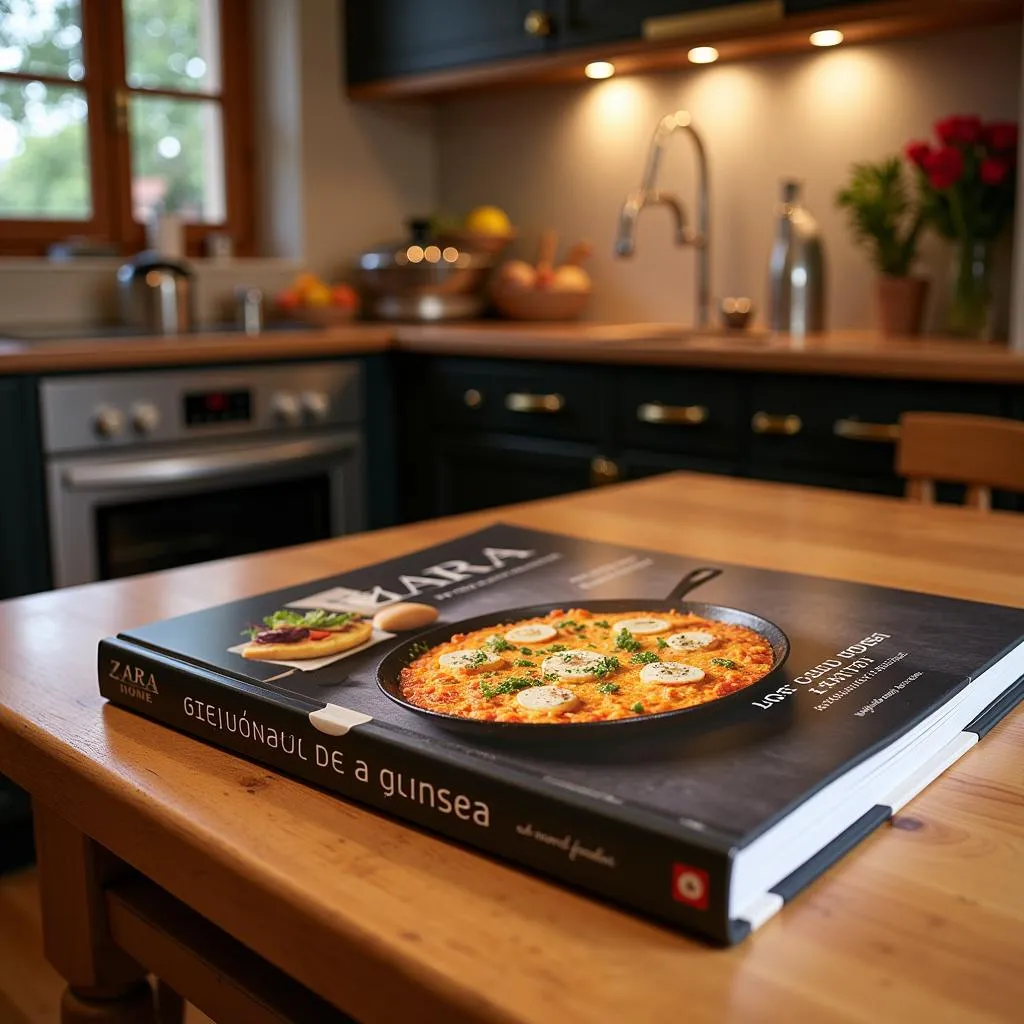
[691, 886]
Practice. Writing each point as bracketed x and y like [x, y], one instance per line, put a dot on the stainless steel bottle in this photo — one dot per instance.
[796, 287]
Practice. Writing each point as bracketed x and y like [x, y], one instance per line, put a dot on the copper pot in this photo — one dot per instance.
[900, 305]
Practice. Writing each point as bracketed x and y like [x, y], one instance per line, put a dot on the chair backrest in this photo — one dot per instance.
[980, 451]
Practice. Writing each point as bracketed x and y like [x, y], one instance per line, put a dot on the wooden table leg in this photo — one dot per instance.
[105, 985]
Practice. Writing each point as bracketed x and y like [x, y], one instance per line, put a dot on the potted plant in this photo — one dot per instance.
[885, 218]
[968, 187]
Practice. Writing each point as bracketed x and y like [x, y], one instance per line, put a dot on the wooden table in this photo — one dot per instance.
[136, 824]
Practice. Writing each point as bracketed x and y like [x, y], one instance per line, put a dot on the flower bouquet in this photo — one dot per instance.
[967, 184]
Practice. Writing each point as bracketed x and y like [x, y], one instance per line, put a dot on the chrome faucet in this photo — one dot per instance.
[648, 194]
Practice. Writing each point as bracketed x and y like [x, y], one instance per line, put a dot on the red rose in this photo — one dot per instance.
[918, 152]
[994, 170]
[1001, 135]
[944, 167]
[959, 130]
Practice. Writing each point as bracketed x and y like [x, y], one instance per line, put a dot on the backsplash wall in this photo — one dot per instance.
[566, 157]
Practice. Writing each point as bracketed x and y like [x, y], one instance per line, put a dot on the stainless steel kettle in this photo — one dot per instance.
[156, 294]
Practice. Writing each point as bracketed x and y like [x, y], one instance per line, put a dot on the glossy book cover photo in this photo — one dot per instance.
[694, 740]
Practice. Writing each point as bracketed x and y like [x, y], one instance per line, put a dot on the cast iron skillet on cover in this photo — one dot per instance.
[389, 670]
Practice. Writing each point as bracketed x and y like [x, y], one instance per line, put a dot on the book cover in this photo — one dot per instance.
[708, 819]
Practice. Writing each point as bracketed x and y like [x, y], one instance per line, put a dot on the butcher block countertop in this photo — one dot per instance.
[847, 353]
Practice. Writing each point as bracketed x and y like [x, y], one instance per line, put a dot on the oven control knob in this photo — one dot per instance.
[317, 405]
[108, 421]
[145, 417]
[286, 409]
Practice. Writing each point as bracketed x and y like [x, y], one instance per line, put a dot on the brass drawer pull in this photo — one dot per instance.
[537, 23]
[768, 423]
[603, 471]
[473, 398]
[858, 430]
[678, 415]
[522, 401]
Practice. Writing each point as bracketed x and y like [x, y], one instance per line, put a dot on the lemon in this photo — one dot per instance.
[488, 220]
[317, 295]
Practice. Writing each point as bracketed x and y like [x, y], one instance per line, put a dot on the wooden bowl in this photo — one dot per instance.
[539, 303]
[492, 245]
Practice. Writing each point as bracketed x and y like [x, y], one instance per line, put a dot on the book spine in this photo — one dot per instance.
[682, 883]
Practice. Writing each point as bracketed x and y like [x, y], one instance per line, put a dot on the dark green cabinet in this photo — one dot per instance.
[388, 38]
[486, 432]
[473, 472]
[24, 566]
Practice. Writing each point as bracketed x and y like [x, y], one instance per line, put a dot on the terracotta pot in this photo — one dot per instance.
[900, 305]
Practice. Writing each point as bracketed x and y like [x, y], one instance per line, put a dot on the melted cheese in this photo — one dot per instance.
[737, 657]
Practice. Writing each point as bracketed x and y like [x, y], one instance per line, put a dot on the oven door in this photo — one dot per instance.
[120, 515]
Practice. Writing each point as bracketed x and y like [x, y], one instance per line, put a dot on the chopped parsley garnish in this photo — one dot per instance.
[315, 618]
[643, 657]
[551, 677]
[498, 643]
[608, 687]
[513, 684]
[555, 649]
[476, 658]
[603, 623]
[527, 650]
[418, 648]
[724, 662]
[606, 665]
[661, 643]
[637, 707]
[567, 623]
[625, 641]
[523, 663]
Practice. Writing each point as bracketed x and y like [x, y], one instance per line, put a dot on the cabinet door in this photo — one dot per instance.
[592, 22]
[806, 6]
[24, 544]
[481, 471]
[385, 38]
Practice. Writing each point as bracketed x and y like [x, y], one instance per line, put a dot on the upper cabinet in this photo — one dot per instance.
[423, 48]
[386, 38]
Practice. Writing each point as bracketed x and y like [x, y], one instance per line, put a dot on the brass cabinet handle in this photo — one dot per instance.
[537, 23]
[769, 423]
[679, 415]
[523, 401]
[603, 471]
[858, 430]
[473, 398]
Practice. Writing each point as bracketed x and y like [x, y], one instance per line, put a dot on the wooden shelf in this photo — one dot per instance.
[860, 23]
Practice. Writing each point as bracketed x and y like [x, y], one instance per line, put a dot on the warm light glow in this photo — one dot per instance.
[414, 253]
[702, 55]
[599, 69]
[432, 254]
[449, 254]
[826, 37]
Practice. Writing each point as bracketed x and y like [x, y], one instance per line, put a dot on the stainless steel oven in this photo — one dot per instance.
[148, 471]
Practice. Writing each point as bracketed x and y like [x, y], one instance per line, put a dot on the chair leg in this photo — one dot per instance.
[921, 491]
[979, 497]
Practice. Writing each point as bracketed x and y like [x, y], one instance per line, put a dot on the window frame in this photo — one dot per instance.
[107, 93]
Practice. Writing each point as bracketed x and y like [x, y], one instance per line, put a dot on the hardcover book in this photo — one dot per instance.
[694, 741]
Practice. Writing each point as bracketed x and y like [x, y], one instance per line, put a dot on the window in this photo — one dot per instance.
[112, 110]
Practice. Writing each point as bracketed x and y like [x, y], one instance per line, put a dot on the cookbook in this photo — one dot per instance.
[695, 741]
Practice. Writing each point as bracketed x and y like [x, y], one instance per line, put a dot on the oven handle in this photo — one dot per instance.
[185, 468]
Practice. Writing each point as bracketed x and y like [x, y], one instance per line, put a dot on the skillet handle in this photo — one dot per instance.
[694, 578]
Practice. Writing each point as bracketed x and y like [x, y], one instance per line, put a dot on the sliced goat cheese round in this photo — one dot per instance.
[469, 661]
[572, 664]
[641, 627]
[548, 698]
[670, 673]
[534, 633]
[694, 640]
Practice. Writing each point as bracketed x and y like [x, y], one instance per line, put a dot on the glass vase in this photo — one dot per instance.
[970, 299]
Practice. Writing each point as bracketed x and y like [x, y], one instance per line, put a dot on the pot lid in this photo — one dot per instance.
[421, 249]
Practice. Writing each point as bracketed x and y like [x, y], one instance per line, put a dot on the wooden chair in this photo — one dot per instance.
[980, 451]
